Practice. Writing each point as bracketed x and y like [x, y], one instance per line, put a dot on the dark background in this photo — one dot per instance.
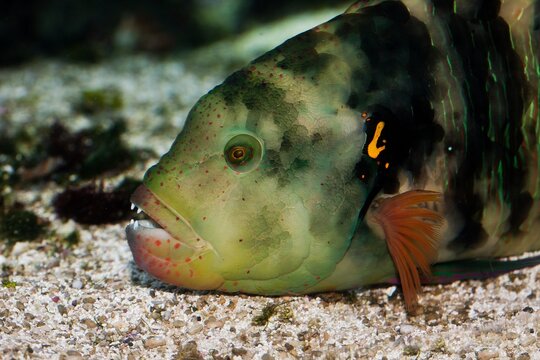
[83, 30]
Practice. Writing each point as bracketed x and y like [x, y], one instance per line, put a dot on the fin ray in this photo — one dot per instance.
[412, 234]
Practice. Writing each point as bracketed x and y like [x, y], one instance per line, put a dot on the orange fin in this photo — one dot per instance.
[412, 234]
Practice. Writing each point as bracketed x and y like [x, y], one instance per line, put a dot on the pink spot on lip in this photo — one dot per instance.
[190, 272]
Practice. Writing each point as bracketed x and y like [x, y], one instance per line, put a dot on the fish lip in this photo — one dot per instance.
[142, 198]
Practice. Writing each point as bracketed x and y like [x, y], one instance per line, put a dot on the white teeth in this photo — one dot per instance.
[148, 224]
[131, 222]
[132, 206]
[139, 211]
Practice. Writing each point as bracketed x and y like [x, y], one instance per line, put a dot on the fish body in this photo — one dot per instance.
[397, 135]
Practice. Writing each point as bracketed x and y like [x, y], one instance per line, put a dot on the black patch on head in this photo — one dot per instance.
[259, 97]
[488, 145]
[397, 89]
[300, 56]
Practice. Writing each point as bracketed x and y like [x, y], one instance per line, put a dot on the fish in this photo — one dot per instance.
[396, 143]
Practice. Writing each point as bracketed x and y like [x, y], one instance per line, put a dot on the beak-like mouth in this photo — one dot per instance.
[167, 247]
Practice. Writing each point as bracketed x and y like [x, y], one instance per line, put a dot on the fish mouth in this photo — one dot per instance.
[166, 246]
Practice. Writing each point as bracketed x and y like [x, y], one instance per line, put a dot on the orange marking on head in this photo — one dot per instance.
[177, 245]
[188, 259]
[373, 150]
[157, 242]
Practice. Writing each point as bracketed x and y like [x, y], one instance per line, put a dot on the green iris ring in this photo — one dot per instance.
[243, 152]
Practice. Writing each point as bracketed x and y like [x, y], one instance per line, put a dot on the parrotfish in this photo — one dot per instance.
[397, 142]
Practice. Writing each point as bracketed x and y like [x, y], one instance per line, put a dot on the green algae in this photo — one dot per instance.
[95, 205]
[72, 239]
[99, 100]
[284, 314]
[264, 317]
[9, 284]
[20, 225]
[64, 156]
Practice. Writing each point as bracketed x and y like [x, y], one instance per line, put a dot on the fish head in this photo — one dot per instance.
[258, 193]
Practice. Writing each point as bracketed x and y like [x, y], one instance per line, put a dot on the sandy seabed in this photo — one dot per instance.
[92, 301]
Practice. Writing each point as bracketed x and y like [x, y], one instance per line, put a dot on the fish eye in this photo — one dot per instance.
[238, 153]
[243, 152]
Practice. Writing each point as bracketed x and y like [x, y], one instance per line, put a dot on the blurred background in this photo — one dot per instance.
[89, 31]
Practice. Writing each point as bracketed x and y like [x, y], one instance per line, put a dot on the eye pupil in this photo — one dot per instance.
[238, 153]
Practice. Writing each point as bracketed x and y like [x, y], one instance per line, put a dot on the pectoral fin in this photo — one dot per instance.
[412, 233]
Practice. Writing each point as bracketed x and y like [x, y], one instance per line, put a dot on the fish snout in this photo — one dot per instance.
[170, 260]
